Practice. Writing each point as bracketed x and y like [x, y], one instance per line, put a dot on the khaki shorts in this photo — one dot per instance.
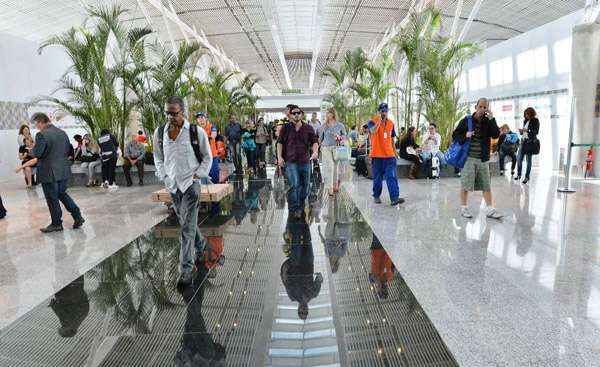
[475, 175]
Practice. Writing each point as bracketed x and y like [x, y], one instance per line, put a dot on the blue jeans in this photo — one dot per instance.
[235, 154]
[56, 193]
[298, 176]
[214, 170]
[520, 163]
[385, 168]
[192, 242]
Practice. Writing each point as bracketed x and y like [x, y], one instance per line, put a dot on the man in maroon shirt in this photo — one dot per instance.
[293, 150]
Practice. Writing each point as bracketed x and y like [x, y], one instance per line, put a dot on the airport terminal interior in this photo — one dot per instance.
[311, 183]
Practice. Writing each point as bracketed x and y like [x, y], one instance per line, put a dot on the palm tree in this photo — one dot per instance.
[169, 76]
[97, 92]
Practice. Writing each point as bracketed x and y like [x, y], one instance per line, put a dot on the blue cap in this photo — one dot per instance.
[383, 107]
[200, 114]
[213, 129]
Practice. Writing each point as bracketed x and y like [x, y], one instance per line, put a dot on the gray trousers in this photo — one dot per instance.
[192, 241]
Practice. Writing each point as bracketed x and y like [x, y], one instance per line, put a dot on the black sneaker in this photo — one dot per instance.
[78, 223]
[517, 178]
[377, 200]
[397, 201]
[52, 228]
[526, 180]
[129, 184]
[141, 183]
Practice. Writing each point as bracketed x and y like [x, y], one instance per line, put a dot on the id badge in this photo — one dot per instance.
[385, 135]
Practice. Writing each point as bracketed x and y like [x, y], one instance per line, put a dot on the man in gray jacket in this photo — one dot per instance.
[182, 151]
[51, 152]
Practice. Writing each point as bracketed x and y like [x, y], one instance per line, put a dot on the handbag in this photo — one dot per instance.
[531, 146]
[341, 153]
[457, 153]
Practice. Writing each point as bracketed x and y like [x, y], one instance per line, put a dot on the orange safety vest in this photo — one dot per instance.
[211, 141]
[382, 141]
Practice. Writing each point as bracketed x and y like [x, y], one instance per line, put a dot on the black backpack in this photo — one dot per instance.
[194, 140]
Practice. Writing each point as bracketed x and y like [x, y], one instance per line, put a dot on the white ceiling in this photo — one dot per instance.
[267, 37]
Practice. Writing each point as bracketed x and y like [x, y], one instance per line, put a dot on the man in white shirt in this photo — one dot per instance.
[181, 153]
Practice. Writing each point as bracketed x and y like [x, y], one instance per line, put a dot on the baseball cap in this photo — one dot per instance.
[200, 114]
[383, 107]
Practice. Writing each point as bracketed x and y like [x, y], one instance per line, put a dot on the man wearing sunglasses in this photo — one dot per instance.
[181, 153]
[294, 144]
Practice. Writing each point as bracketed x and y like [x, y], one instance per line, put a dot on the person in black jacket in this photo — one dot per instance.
[529, 132]
[2, 209]
[108, 152]
[408, 141]
[476, 172]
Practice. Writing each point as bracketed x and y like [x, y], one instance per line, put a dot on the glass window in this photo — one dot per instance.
[533, 64]
[501, 72]
[540, 55]
[477, 78]
[562, 56]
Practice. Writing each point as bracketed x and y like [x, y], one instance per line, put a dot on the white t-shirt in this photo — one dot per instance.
[432, 142]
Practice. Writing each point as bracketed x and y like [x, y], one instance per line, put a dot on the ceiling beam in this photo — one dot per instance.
[317, 42]
[457, 13]
[469, 21]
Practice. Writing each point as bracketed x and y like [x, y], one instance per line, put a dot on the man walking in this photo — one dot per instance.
[181, 151]
[134, 156]
[315, 123]
[233, 136]
[51, 152]
[475, 175]
[383, 156]
[293, 146]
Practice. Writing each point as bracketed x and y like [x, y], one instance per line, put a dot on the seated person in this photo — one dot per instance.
[431, 148]
[134, 156]
[90, 159]
[25, 156]
[361, 144]
[508, 143]
[409, 150]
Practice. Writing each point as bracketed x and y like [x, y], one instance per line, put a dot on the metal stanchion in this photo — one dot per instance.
[567, 188]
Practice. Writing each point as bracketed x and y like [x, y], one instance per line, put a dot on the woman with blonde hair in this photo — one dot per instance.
[25, 148]
[331, 136]
[90, 158]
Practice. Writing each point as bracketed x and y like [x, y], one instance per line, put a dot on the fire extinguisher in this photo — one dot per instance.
[589, 162]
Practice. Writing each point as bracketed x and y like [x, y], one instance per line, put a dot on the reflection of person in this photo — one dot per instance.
[71, 305]
[197, 345]
[297, 272]
[382, 268]
[54, 170]
[337, 232]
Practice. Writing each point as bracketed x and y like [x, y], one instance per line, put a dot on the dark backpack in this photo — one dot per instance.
[194, 140]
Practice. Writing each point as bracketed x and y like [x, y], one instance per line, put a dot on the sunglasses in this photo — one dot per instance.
[171, 113]
[296, 113]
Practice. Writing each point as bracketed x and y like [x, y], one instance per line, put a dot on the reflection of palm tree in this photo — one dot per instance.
[197, 346]
[137, 280]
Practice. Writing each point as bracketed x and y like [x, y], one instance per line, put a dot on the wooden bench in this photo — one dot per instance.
[213, 226]
[208, 194]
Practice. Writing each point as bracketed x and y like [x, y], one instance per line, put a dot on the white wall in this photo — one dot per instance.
[549, 94]
[24, 74]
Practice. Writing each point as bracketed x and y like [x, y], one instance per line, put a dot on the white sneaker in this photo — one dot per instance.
[113, 187]
[464, 211]
[494, 214]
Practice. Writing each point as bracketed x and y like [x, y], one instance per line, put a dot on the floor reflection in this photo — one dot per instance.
[270, 290]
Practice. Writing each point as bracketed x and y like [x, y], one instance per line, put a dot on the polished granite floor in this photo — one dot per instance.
[316, 291]
[34, 266]
[524, 291]
[411, 286]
